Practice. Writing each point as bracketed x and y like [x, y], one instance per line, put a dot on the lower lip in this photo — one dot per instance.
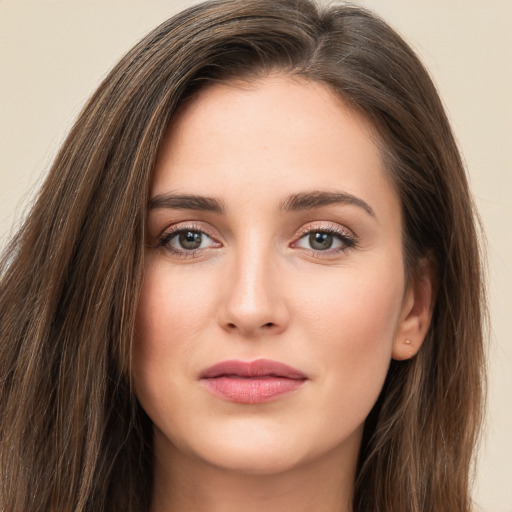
[255, 390]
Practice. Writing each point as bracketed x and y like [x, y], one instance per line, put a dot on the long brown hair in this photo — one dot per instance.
[72, 435]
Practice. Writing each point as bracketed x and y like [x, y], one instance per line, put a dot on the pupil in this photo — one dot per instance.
[320, 241]
[190, 239]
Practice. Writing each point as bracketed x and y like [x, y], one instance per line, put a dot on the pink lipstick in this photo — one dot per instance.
[252, 382]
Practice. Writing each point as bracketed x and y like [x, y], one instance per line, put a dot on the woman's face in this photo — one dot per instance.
[274, 235]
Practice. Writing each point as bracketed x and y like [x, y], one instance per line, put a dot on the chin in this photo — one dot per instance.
[247, 447]
[252, 448]
[250, 460]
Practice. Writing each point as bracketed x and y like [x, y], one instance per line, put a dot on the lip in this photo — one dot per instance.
[252, 382]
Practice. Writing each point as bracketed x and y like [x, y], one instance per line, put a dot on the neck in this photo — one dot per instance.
[188, 484]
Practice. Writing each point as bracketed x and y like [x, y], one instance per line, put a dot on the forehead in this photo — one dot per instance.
[277, 136]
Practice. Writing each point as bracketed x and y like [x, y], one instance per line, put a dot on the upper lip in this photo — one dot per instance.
[247, 369]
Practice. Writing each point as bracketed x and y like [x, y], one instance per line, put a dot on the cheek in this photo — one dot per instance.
[353, 320]
[174, 303]
[361, 306]
[172, 306]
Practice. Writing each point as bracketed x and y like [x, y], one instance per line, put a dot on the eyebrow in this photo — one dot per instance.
[317, 199]
[294, 202]
[186, 202]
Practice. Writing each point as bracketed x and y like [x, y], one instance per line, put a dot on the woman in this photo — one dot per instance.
[251, 280]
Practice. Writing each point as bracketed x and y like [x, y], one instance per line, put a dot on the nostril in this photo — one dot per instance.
[268, 325]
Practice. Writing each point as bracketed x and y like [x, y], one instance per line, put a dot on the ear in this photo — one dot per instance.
[416, 313]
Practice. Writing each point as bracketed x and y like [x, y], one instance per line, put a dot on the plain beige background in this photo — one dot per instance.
[54, 53]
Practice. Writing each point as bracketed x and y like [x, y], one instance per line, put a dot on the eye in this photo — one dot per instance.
[328, 240]
[321, 241]
[186, 241]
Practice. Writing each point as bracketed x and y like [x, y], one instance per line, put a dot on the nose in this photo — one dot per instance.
[254, 303]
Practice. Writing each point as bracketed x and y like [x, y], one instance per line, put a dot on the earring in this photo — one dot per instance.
[408, 342]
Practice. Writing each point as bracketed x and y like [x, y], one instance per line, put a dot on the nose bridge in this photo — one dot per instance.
[253, 300]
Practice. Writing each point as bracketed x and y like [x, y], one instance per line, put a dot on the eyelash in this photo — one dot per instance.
[165, 239]
[346, 237]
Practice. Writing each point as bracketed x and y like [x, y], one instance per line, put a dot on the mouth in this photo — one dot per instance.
[252, 382]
